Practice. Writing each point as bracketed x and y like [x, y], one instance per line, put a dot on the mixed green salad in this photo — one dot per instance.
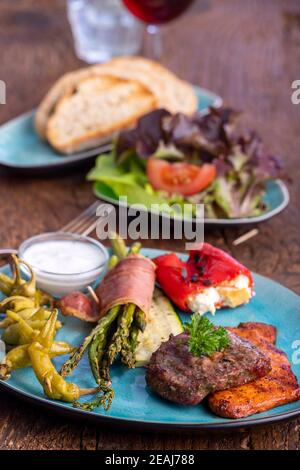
[174, 159]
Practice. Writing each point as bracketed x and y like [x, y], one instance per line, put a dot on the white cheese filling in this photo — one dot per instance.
[205, 301]
[210, 297]
[240, 282]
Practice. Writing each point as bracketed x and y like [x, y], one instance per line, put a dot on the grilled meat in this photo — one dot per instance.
[179, 376]
[278, 387]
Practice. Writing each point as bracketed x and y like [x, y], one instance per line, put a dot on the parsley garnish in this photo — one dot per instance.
[205, 338]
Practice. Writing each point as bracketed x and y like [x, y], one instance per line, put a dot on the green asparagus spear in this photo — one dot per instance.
[126, 321]
[140, 319]
[115, 344]
[113, 261]
[128, 352]
[74, 359]
[135, 248]
[118, 246]
[97, 350]
[122, 332]
[134, 337]
[126, 355]
[104, 399]
[104, 369]
[124, 339]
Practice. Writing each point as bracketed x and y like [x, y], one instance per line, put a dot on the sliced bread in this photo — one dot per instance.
[172, 93]
[169, 91]
[95, 111]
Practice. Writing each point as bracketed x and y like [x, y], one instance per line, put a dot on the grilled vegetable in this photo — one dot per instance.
[161, 323]
[208, 271]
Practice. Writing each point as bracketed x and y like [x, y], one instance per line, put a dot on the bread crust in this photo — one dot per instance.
[171, 93]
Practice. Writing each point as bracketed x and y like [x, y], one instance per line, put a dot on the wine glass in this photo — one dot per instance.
[155, 13]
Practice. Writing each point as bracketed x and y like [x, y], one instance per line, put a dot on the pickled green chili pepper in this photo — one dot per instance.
[40, 313]
[26, 314]
[6, 322]
[18, 357]
[16, 303]
[29, 313]
[23, 332]
[20, 286]
[55, 387]
[42, 298]
[19, 332]
[6, 284]
[16, 285]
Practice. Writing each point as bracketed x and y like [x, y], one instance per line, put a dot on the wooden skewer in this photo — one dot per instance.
[245, 237]
[93, 294]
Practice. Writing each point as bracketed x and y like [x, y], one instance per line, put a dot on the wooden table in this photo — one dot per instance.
[245, 50]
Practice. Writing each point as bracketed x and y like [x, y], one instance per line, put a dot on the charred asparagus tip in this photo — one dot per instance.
[104, 399]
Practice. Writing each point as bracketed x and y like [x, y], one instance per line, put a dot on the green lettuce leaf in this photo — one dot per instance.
[108, 172]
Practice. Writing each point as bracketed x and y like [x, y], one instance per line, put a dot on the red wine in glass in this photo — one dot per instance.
[157, 11]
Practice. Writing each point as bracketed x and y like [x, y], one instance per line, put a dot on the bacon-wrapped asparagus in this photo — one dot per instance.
[125, 296]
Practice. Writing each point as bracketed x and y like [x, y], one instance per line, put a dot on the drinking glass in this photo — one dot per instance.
[155, 13]
[103, 29]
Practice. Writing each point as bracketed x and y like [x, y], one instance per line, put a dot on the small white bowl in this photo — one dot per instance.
[59, 284]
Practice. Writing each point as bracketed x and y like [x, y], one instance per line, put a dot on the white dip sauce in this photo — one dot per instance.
[64, 256]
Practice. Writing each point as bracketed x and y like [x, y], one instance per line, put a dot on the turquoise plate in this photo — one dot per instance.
[136, 405]
[22, 149]
[276, 198]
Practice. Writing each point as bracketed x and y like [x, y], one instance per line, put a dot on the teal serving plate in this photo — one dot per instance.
[135, 405]
[21, 148]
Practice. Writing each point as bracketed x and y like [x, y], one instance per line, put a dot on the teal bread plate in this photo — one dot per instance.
[22, 149]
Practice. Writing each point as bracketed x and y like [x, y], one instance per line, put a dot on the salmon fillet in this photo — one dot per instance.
[278, 387]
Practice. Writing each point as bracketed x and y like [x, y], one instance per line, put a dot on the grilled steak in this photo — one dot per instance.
[278, 387]
[179, 376]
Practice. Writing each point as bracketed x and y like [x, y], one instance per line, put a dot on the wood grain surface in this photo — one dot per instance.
[248, 51]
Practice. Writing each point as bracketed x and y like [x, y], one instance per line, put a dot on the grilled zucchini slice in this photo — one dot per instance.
[162, 321]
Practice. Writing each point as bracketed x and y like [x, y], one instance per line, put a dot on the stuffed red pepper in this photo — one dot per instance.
[208, 280]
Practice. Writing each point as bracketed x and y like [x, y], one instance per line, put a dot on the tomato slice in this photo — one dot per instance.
[180, 178]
